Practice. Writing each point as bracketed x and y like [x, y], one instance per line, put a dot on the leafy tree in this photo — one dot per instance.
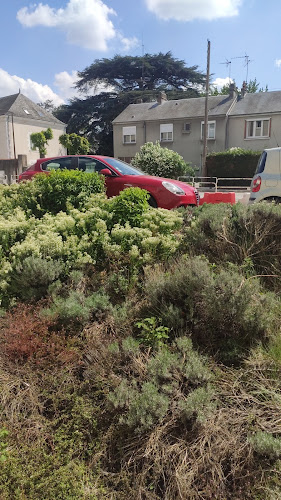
[75, 144]
[48, 105]
[162, 162]
[150, 72]
[252, 87]
[124, 79]
[40, 140]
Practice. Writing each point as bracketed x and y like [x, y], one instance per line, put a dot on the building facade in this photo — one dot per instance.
[19, 118]
[249, 121]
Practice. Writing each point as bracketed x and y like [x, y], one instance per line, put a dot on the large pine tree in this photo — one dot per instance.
[123, 79]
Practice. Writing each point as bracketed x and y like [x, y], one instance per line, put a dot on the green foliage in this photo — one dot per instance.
[175, 382]
[75, 144]
[248, 236]
[266, 444]
[40, 140]
[129, 207]
[122, 75]
[58, 190]
[233, 162]
[162, 162]
[37, 473]
[76, 307]
[3, 445]
[223, 311]
[31, 277]
[151, 333]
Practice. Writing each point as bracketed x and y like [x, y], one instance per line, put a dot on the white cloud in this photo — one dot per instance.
[65, 83]
[221, 82]
[86, 23]
[278, 63]
[37, 92]
[188, 10]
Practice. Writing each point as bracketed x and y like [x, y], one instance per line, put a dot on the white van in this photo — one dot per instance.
[266, 183]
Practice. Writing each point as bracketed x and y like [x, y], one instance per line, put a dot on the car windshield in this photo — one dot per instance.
[123, 167]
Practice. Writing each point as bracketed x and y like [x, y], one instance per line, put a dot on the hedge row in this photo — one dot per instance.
[234, 162]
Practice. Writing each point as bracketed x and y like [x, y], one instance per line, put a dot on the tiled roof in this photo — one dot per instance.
[259, 103]
[23, 107]
[182, 108]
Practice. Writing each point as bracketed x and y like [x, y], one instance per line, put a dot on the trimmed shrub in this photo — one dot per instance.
[57, 191]
[162, 162]
[234, 162]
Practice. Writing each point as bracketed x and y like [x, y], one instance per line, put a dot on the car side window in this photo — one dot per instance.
[70, 163]
[90, 165]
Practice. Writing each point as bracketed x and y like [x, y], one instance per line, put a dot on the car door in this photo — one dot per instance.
[113, 183]
[60, 163]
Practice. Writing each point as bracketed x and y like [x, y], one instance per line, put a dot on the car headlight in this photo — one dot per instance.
[173, 188]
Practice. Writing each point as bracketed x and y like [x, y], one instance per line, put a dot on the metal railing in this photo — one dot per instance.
[214, 184]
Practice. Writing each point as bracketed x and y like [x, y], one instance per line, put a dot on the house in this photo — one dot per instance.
[19, 118]
[249, 121]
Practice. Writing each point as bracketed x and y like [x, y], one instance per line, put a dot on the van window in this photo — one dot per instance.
[261, 163]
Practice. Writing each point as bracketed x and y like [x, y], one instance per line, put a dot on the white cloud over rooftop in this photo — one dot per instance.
[189, 10]
[37, 92]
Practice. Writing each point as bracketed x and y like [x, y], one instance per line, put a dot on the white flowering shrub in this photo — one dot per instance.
[77, 238]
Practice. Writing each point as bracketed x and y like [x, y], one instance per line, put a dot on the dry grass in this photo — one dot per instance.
[214, 460]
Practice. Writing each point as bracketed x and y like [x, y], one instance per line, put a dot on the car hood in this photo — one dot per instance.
[158, 180]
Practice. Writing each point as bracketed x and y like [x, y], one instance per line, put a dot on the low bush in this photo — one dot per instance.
[173, 384]
[54, 192]
[220, 308]
[234, 162]
[249, 236]
[162, 162]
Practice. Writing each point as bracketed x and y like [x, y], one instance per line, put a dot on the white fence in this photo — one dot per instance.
[215, 184]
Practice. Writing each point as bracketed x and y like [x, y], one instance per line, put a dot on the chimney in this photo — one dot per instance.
[161, 97]
[139, 100]
[232, 91]
[244, 89]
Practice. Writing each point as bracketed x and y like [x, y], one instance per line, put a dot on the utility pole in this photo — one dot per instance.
[205, 138]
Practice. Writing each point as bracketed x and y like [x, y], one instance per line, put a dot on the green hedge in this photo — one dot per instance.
[234, 162]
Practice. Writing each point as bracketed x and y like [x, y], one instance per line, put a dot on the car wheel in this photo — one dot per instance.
[273, 199]
[152, 202]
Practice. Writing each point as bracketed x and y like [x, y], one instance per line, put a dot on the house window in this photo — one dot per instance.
[211, 130]
[129, 135]
[186, 128]
[257, 128]
[166, 132]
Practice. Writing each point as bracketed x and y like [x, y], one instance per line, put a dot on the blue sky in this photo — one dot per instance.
[45, 43]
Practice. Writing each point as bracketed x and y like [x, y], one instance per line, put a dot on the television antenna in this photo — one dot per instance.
[228, 65]
[247, 61]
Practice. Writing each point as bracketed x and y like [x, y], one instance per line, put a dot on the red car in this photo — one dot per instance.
[164, 193]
